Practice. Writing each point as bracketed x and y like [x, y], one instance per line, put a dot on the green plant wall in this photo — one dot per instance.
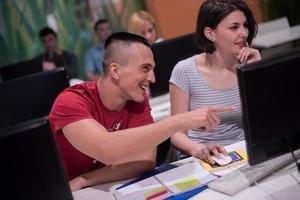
[21, 20]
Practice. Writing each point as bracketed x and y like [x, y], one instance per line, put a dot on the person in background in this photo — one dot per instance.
[54, 56]
[142, 23]
[94, 56]
[225, 29]
[104, 130]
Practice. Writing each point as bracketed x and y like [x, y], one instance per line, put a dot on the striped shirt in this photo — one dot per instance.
[188, 78]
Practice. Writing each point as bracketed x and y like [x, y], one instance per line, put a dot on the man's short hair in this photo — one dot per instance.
[47, 31]
[127, 38]
[100, 21]
[121, 39]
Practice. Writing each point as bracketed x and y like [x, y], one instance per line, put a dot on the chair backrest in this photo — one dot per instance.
[273, 25]
[30, 96]
[30, 164]
[166, 54]
[163, 150]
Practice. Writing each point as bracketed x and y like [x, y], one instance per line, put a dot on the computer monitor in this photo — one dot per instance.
[19, 69]
[166, 55]
[30, 96]
[30, 164]
[269, 91]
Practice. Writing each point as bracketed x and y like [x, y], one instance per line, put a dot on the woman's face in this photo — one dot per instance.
[231, 33]
[149, 32]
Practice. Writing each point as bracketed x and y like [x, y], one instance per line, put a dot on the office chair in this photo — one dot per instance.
[163, 152]
[166, 54]
[30, 96]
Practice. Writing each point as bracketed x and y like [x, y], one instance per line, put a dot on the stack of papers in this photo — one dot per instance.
[170, 183]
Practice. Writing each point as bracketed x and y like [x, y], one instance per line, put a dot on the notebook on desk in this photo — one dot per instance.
[180, 182]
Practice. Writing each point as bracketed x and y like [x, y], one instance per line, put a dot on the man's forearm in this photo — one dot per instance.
[112, 173]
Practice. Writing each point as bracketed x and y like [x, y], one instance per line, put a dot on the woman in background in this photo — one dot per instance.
[142, 23]
[225, 29]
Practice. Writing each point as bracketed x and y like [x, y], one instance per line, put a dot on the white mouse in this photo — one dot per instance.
[223, 160]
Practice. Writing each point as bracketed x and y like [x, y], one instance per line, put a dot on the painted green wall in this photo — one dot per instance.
[21, 20]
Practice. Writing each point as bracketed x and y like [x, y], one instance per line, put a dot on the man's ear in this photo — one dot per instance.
[209, 34]
[114, 70]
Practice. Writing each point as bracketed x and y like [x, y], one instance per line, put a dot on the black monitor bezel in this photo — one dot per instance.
[270, 148]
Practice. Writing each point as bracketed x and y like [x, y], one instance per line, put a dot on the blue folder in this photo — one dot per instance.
[162, 168]
[188, 194]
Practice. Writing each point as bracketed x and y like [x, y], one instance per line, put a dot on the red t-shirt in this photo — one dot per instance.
[82, 101]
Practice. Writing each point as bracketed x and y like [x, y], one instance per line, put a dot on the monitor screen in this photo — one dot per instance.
[166, 55]
[20, 69]
[30, 96]
[30, 164]
[271, 105]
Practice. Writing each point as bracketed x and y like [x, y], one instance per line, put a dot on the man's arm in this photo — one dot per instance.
[92, 139]
[116, 172]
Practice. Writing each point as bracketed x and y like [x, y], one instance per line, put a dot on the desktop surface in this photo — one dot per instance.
[273, 184]
[278, 37]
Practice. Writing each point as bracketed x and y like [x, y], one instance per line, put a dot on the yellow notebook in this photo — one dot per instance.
[238, 157]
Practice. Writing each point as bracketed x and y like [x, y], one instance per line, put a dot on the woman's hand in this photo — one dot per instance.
[248, 55]
[203, 152]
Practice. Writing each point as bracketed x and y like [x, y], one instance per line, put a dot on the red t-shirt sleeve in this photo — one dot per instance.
[67, 108]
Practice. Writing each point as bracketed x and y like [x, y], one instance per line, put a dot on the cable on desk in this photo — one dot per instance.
[292, 152]
[291, 174]
[265, 191]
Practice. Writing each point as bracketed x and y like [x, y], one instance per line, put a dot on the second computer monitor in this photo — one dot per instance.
[30, 96]
[270, 99]
[30, 164]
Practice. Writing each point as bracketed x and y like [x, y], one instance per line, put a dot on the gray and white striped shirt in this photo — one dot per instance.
[188, 78]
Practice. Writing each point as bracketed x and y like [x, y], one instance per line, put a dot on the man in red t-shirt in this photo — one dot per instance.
[104, 130]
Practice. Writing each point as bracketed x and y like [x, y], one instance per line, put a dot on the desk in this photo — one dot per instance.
[282, 184]
[277, 41]
[278, 37]
[160, 107]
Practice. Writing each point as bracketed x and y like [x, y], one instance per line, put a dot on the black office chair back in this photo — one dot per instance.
[30, 96]
[166, 54]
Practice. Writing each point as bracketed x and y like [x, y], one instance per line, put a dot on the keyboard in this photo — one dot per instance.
[246, 175]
